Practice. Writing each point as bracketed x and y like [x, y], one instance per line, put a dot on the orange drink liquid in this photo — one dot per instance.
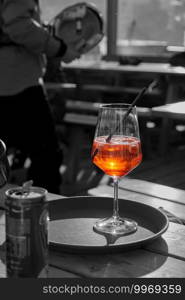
[118, 156]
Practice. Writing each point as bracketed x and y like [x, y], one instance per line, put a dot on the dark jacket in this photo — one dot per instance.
[22, 61]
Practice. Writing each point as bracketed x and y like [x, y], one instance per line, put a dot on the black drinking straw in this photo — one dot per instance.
[149, 88]
[138, 97]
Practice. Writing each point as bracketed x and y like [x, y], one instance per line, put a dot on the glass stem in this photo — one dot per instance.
[115, 203]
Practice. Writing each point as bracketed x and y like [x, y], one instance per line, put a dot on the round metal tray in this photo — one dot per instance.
[72, 219]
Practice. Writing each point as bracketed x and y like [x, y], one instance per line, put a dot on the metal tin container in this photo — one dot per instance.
[26, 232]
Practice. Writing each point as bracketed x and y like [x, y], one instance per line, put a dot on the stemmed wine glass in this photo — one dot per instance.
[117, 151]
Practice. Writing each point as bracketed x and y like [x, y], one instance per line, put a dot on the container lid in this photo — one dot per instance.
[26, 195]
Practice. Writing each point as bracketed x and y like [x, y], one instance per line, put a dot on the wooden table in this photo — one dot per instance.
[174, 76]
[147, 68]
[165, 257]
[169, 112]
[175, 111]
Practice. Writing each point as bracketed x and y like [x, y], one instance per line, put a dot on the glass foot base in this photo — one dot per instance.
[116, 226]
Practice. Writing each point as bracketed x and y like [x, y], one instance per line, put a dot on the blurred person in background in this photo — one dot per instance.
[25, 119]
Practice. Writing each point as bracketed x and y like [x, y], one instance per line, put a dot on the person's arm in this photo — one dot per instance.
[26, 31]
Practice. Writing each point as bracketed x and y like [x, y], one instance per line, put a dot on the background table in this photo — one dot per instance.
[92, 75]
[168, 113]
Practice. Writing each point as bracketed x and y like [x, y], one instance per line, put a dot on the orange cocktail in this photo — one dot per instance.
[118, 156]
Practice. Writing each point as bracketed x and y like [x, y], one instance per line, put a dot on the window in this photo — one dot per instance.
[148, 28]
[152, 20]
